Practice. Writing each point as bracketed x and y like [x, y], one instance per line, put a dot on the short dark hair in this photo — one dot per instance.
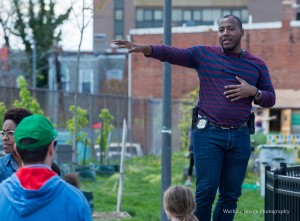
[240, 24]
[73, 179]
[16, 114]
[34, 156]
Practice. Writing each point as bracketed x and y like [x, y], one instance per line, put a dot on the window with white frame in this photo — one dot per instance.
[86, 81]
[114, 74]
[65, 77]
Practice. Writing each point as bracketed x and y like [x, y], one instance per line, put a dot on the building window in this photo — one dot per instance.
[197, 15]
[86, 81]
[207, 15]
[158, 15]
[119, 27]
[236, 13]
[226, 12]
[244, 15]
[298, 13]
[177, 15]
[119, 4]
[241, 13]
[148, 15]
[65, 77]
[216, 15]
[114, 74]
[118, 19]
[139, 14]
[146, 18]
[119, 37]
[187, 15]
[118, 14]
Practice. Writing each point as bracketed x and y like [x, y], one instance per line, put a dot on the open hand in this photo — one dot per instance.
[239, 91]
[133, 47]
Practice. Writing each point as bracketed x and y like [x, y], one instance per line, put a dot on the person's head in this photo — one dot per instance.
[179, 203]
[35, 140]
[73, 179]
[11, 119]
[230, 33]
[259, 113]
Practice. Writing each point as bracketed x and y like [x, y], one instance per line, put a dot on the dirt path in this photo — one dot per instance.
[110, 216]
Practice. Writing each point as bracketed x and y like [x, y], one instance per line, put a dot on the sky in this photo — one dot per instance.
[70, 30]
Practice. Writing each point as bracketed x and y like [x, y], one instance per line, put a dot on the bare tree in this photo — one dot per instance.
[83, 13]
[37, 25]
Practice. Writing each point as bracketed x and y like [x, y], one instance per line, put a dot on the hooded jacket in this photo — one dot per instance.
[37, 193]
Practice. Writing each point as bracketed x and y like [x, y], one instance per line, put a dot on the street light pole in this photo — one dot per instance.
[166, 148]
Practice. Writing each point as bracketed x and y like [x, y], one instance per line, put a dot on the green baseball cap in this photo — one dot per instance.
[37, 128]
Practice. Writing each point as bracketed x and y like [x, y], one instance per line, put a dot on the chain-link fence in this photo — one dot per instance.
[145, 119]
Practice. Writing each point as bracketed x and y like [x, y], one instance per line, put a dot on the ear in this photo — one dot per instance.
[242, 32]
[51, 150]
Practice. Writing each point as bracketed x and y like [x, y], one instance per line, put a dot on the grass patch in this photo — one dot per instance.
[141, 192]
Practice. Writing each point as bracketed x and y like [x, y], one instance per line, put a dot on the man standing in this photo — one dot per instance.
[231, 78]
[35, 192]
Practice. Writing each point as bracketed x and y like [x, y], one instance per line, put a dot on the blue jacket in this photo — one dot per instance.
[8, 166]
[55, 200]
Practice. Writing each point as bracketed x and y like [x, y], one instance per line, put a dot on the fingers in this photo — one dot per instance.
[125, 44]
[234, 96]
[121, 43]
[229, 87]
[239, 79]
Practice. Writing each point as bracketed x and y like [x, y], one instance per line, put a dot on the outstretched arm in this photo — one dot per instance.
[133, 47]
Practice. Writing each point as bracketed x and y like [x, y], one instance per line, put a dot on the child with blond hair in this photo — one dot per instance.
[179, 204]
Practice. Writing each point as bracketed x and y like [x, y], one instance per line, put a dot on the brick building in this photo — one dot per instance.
[119, 16]
[278, 43]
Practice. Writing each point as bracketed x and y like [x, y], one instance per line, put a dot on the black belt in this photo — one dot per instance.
[224, 127]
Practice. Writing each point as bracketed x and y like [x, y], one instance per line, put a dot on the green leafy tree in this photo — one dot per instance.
[26, 100]
[188, 102]
[3, 109]
[82, 121]
[102, 140]
[36, 23]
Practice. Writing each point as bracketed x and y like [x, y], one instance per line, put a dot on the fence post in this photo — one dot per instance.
[275, 193]
[267, 194]
[283, 166]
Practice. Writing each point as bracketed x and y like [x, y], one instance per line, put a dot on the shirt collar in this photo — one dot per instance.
[9, 159]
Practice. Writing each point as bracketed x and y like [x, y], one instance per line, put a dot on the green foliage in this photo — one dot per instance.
[142, 190]
[26, 100]
[259, 138]
[3, 109]
[106, 119]
[82, 121]
[189, 101]
[36, 20]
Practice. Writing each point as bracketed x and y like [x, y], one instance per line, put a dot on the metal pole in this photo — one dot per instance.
[34, 65]
[129, 114]
[166, 109]
[121, 175]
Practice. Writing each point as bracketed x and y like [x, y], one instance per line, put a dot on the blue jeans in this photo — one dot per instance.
[221, 158]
